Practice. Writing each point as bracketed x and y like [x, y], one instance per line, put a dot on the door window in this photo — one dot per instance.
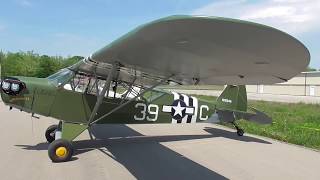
[77, 83]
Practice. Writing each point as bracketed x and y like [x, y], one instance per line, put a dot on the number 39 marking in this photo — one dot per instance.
[149, 112]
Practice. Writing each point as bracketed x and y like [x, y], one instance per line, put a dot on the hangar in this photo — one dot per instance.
[304, 84]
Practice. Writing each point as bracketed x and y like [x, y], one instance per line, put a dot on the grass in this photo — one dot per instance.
[293, 123]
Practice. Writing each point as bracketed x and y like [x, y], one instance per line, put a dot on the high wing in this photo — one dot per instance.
[204, 50]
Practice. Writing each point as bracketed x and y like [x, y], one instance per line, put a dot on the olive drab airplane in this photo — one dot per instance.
[120, 82]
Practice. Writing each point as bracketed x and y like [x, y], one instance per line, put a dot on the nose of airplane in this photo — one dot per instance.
[14, 93]
[12, 86]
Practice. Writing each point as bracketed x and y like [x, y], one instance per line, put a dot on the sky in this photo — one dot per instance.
[80, 27]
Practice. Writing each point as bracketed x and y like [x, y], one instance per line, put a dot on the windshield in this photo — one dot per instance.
[60, 77]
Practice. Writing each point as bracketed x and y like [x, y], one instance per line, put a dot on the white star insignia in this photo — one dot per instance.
[178, 109]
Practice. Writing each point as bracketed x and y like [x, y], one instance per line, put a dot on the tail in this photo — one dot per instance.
[233, 98]
[232, 105]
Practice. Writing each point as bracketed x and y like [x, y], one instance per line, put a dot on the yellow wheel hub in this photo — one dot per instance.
[61, 151]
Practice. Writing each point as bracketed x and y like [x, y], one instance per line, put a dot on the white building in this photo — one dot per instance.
[304, 84]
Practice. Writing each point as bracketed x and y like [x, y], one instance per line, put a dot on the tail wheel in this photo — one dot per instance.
[50, 133]
[240, 132]
[60, 150]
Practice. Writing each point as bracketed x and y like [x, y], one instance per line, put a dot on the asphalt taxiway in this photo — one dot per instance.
[198, 151]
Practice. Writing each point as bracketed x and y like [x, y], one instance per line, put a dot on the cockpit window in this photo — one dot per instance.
[61, 77]
[77, 83]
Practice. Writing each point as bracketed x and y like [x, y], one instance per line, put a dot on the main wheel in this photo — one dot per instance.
[240, 132]
[50, 133]
[60, 150]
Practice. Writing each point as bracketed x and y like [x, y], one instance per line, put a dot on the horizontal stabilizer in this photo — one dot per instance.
[259, 117]
[231, 116]
[226, 116]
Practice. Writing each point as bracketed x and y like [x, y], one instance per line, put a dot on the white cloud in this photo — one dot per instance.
[293, 16]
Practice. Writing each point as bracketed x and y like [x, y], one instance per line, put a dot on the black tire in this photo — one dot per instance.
[240, 132]
[50, 133]
[55, 145]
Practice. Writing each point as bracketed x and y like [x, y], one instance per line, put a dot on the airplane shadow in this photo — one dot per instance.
[144, 156]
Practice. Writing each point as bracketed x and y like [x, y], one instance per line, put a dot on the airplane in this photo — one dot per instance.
[120, 83]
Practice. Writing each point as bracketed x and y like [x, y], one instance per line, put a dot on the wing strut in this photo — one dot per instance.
[129, 90]
[131, 100]
[103, 92]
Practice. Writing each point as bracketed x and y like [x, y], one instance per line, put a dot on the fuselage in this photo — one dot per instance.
[43, 97]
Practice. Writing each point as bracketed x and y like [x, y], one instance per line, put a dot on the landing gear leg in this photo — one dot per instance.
[61, 149]
[240, 131]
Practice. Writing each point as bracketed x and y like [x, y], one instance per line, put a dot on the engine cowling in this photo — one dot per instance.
[12, 86]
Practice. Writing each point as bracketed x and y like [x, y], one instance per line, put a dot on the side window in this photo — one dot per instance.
[151, 96]
[117, 90]
[61, 77]
[78, 83]
[95, 86]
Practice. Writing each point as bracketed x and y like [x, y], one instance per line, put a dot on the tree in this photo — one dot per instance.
[2, 56]
[32, 64]
[47, 66]
[20, 64]
[72, 60]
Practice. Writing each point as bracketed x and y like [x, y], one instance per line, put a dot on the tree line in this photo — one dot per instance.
[32, 64]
